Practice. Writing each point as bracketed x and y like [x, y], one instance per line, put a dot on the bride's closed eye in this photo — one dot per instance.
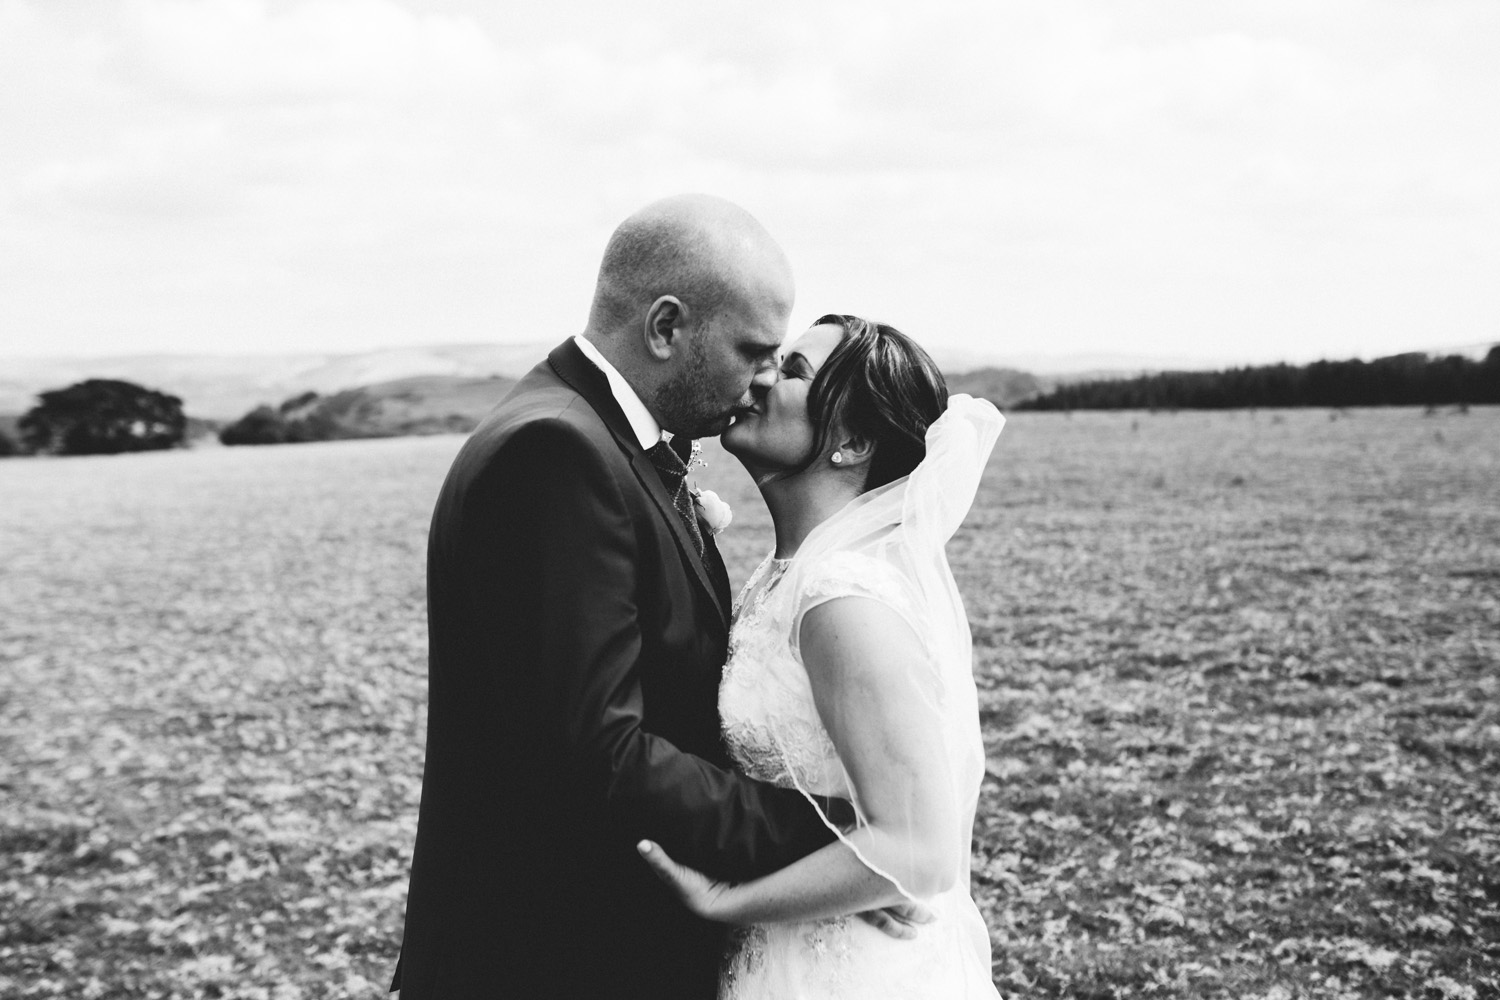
[796, 366]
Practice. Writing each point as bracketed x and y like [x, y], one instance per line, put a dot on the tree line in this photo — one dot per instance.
[1400, 380]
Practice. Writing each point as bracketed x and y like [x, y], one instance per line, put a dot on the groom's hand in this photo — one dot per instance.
[699, 893]
[900, 922]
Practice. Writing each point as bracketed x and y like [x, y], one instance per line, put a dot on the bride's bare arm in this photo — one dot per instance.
[865, 667]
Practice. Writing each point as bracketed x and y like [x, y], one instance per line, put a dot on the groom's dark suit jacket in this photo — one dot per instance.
[576, 643]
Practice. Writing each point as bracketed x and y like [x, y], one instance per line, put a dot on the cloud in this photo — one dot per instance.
[167, 173]
[239, 50]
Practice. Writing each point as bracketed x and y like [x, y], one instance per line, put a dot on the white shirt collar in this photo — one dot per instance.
[647, 430]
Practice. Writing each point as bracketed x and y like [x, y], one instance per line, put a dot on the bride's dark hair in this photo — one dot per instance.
[879, 386]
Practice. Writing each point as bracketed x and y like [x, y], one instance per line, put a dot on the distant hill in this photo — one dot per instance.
[1005, 387]
[425, 404]
[225, 387]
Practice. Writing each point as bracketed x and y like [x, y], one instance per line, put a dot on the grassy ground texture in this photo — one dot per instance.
[1238, 674]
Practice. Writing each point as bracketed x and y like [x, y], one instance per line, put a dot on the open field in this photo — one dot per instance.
[1239, 674]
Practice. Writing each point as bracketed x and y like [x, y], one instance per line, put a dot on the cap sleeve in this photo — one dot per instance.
[851, 574]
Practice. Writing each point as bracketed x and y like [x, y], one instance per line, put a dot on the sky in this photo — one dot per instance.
[1237, 181]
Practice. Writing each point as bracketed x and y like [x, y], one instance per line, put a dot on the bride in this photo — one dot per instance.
[849, 675]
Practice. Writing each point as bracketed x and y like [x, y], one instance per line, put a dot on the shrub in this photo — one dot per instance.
[261, 425]
[301, 418]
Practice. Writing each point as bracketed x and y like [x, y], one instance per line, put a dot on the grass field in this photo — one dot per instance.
[1238, 672]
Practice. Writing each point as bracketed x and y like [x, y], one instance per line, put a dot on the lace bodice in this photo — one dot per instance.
[770, 720]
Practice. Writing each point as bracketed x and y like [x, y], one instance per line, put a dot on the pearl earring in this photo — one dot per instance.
[837, 457]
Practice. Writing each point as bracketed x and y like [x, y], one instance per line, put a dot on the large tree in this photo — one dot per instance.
[103, 417]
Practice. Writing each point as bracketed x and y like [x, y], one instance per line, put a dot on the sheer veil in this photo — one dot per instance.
[888, 544]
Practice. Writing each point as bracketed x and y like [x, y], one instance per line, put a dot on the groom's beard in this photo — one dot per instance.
[687, 403]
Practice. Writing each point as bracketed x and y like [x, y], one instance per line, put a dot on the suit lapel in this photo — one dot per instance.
[716, 568]
[574, 368]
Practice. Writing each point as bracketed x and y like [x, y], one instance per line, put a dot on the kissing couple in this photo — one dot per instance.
[636, 789]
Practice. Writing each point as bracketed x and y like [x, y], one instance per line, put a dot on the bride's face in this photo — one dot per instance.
[776, 433]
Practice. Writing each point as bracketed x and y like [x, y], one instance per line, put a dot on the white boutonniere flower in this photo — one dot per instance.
[715, 512]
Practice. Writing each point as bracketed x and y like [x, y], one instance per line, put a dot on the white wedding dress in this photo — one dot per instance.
[887, 546]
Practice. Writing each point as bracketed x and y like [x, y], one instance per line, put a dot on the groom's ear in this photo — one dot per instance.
[665, 326]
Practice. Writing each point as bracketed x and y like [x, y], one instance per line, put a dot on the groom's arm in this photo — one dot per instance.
[570, 558]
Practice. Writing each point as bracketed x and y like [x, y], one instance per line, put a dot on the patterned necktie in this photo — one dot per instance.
[673, 471]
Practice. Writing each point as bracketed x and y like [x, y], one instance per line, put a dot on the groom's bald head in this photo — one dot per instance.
[703, 250]
[691, 305]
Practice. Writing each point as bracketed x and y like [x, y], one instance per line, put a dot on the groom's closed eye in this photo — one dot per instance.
[757, 352]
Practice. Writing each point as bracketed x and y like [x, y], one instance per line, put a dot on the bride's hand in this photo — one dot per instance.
[699, 893]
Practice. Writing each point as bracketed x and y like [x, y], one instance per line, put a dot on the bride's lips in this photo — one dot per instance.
[742, 412]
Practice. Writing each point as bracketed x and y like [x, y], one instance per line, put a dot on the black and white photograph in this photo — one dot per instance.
[796, 501]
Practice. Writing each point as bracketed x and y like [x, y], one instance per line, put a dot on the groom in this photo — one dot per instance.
[578, 616]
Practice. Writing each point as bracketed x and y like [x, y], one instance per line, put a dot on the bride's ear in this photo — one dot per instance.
[853, 452]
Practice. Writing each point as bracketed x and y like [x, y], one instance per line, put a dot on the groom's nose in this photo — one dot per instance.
[765, 378]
